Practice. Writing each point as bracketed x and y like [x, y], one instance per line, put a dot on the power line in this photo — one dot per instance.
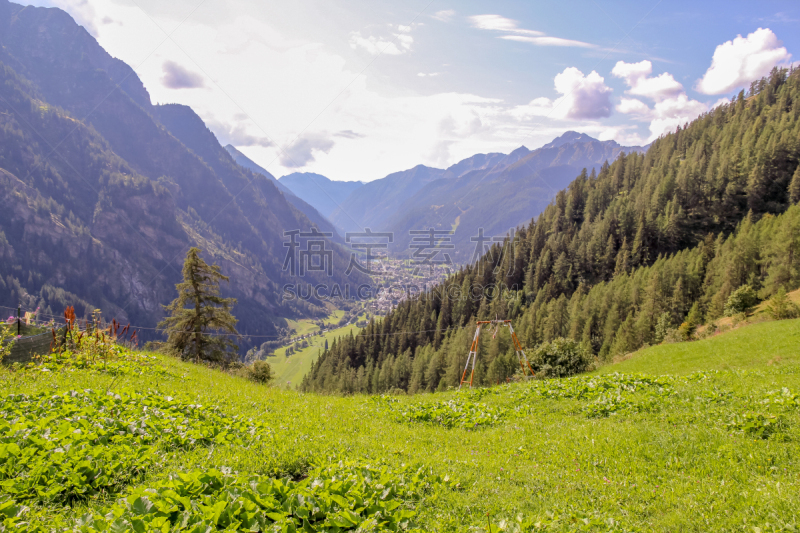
[132, 327]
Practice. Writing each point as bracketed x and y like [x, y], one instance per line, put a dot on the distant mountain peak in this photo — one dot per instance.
[569, 137]
[522, 150]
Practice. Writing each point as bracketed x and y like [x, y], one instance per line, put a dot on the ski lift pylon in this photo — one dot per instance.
[473, 350]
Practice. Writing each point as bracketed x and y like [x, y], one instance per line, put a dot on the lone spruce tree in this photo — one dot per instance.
[198, 309]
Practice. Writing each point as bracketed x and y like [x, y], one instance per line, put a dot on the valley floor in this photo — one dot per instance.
[707, 440]
[289, 370]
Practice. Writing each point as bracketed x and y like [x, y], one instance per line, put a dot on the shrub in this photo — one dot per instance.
[780, 307]
[260, 372]
[686, 331]
[560, 358]
[674, 335]
[741, 300]
[7, 337]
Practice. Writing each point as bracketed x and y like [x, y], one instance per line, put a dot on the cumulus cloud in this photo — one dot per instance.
[445, 15]
[514, 33]
[742, 60]
[632, 72]
[632, 106]
[672, 107]
[400, 44]
[666, 115]
[301, 152]
[584, 97]
[636, 75]
[178, 77]
[671, 113]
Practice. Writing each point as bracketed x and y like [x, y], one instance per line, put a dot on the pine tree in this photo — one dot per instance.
[757, 186]
[623, 259]
[187, 329]
[794, 187]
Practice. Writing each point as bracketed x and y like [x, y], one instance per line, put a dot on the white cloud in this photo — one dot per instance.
[400, 44]
[672, 107]
[719, 102]
[681, 106]
[499, 23]
[427, 74]
[237, 134]
[632, 106]
[514, 33]
[659, 88]
[632, 72]
[622, 134]
[302, 150]
[636, 75]
[674, 112]
[742, 60]
[584, 97]
[547, 41]
[439, 155]
[445, 15]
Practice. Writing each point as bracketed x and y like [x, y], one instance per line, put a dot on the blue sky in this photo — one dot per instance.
[358, 89]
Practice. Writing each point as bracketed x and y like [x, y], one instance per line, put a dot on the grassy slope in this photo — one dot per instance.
[752, 346]
[301, 327]
[289, 371]
[334, 317]
[676, 469]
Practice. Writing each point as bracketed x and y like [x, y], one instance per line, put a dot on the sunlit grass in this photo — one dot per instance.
[289, 371]
[685, 466]
[754, 346]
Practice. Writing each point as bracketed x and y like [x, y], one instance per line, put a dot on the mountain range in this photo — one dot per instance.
[103, 192]
[489, 194]
[324, 194]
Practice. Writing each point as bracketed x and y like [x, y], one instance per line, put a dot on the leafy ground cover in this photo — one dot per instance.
[332, 498]
[656, 443]
[74, 445]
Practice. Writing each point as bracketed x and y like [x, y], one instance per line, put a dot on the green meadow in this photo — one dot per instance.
[289, 371]
[698, 436]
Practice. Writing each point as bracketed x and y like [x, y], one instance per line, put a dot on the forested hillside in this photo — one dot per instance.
[648, 239]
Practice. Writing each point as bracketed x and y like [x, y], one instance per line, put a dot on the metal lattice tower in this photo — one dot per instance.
[473, 350]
